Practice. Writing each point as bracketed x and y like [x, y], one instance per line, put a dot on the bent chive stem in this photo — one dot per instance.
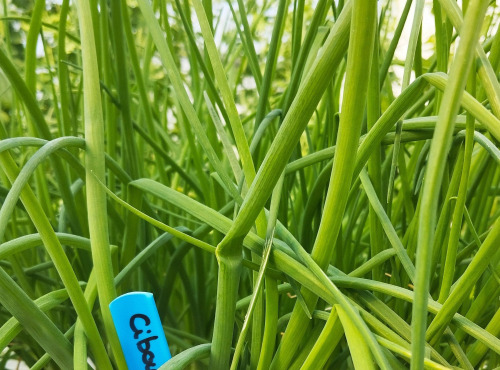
[434, 174]
[355, 91]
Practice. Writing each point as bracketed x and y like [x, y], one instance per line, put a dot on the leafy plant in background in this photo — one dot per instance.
[262, 170]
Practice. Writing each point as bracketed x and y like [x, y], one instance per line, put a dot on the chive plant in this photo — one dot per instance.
[293, 194]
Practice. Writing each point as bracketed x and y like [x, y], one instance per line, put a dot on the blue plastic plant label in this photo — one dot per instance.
[140, 331]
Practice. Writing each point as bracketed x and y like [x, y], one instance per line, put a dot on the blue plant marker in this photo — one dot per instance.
[140, 332]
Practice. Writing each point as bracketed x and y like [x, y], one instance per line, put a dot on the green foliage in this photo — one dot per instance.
[293, 194]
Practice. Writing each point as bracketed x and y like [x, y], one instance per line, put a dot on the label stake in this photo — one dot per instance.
[140, 331]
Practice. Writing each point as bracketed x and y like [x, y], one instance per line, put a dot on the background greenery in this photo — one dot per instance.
[296, 189]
